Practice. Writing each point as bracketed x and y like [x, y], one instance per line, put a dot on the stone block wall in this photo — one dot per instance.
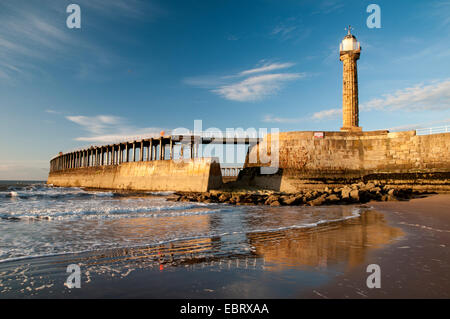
[196, 175]
[343, 156]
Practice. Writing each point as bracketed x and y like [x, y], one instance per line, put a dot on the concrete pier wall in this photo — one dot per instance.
[199, 175]
[310, 159]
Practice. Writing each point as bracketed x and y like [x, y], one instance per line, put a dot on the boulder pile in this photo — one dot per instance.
[349, 194]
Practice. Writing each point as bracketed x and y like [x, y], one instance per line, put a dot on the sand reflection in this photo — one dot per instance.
[345, 242]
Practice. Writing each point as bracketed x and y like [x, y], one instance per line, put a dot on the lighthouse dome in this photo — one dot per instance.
[350, 43]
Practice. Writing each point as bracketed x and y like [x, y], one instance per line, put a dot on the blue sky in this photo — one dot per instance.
[139, 67]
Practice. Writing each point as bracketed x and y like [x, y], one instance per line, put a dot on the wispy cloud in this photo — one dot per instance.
[134, 9]
[329, 6]
[430, 97]
[32, 34]
[232, 37]
[95, 124]
[291, 29]
[317, 116]
[420, 125]
[257, 87]
[270, 118]
[51, 111]
[110, 129]
[286, 32]
[248, 85]
[266, 68]
[327, 114]
[434, 96]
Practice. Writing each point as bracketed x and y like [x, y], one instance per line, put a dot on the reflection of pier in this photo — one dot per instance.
[325, 245]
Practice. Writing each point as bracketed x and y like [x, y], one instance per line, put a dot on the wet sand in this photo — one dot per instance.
[417, 266]
[408, 240]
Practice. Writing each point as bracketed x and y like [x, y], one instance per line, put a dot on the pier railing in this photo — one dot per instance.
[231, 171]
[146, 149]
[433, 130]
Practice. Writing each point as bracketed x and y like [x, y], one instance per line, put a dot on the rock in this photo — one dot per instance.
[345, 192]
[354, 194]
[271, 199]
[374, 189]
[370, 185]
[224, 197]
[238, 198]
[332, 198]
[392, 192]
[316, 202]
[293, 200]
[275, 203]
[308, 196]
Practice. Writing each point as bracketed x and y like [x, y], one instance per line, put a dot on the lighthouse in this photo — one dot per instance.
[349, 54]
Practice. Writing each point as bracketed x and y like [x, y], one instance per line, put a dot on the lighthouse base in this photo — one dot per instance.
[351, 129]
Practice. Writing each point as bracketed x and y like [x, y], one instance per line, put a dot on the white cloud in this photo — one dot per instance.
[51, 111]
[266, 68]
[95, 124]
[275, 119]
[110, 129]
[431, 97]
[327, 114]
[321, 115]
[429, 124]
[435, 96]
[128, 134]
[254, 86]
[292, 29]
[283, 30]
[257, 87]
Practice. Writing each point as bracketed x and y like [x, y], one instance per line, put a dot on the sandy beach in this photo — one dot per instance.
[409, 240]
[417, 266]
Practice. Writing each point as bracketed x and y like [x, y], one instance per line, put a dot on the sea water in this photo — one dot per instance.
[143, 244]
[41, 220]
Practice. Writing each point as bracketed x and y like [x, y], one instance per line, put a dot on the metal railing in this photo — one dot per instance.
[231, 171]
[433, 130]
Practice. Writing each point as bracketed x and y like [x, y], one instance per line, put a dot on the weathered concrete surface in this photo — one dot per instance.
[340, 158]
[196, 175]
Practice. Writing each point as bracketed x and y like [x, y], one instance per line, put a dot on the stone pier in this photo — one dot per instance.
[150, 166]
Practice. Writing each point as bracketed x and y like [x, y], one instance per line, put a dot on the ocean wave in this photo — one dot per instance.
[52, 193]
[161, 193]
[356, 212]
[116, 213]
